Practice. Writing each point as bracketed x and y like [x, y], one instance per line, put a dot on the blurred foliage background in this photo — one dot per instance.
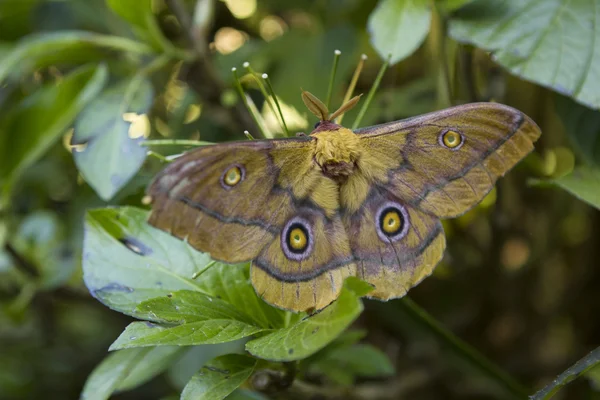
[84, 82]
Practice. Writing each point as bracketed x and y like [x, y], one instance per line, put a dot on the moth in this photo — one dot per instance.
[312, 210]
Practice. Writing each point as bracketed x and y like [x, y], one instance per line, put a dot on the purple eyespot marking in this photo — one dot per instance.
[452, 132]
[297, 240]
[232, 175]
[392, 221]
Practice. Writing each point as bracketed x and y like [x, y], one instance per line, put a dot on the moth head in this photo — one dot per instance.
[320, 110]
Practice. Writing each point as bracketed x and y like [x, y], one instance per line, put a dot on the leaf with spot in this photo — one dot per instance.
[209, 331]
[200, 319]
[219, 378]
[315, 332]
[398, 27]
[186, 306]
[126, 261]
[111, 157]
[126, 369]
[555, 43]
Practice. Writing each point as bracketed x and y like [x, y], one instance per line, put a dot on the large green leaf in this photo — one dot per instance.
[201, 318]
[312, 333]
[555, 43]
[187, 306]
[64, 47]
[111, 157]
[195, 357]
[583, 183]
[212, 331]
[583, 126]
[125, 261]
[582, 366]
[231, 283]
[398, 27]
[219, 378]
[32, 126]
[126, 369]
[153, 363]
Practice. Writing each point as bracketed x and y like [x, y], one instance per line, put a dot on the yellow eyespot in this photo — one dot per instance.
[233, 176]
[451, 139]
[391, 222]
[297, 239]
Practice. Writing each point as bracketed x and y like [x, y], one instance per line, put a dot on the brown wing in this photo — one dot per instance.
[312, 276]
[248, 215]
[412, 158]
[394, 245]
[233, 222]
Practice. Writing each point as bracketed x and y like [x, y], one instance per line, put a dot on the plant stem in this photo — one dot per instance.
[438, 43]
[336, 59]
[352, 85]
[365, 105]
[253, 111]
[266, 78]
[263, 90]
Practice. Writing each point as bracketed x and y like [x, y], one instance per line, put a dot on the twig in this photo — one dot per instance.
[21, 263]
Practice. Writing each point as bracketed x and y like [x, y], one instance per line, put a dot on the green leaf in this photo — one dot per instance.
[133, 11]
[552, 42]
[201, 319]
[312, 333]
[579, 368]
[219, 378]
[195, 357]
[231, 283]
[126, 261]
[139, 14]
[111, 157]
[583, 126]
[39, 120]
[186, 306]
[64, 47]
[212, 331]
[398, 27]
[583, 183]
[345, 364]
[114, 370]
[153, 363]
